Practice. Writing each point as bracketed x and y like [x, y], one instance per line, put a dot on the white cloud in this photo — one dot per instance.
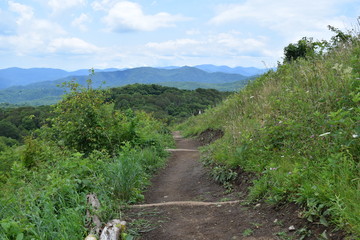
[173, 44]
[60, 5]
[81, 21]
[26, 13]
[103, 5]
[193, 32]
[223, 44]
[128, 16]
[72, 46]
[289, 18]
[37, 37]
[236, 43]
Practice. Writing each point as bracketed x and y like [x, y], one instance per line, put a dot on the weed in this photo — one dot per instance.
[247, 232]
[256, 225]
[303, 233]
[222, 174]
[283, 235]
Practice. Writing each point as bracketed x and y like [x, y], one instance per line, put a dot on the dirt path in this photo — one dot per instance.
[184, 178]
[183, 203]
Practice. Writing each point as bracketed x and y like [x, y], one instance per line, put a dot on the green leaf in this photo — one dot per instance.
[20, 236]
[323, 221]
[6, 226]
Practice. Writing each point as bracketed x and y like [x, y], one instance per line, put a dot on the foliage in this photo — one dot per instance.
[166, 103]
[298, 130]
[17, 122]
[44, 182]
[81, 119]
[6, 142]
[302, 49]
[225, 87]
[8, 130]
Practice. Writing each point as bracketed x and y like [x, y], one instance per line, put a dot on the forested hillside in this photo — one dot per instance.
[166, 103]
[18, 122]
[297, 131]
[49, 92]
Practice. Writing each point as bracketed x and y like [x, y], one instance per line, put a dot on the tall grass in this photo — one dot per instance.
[44, 185]
[298, 128]
[129, 173]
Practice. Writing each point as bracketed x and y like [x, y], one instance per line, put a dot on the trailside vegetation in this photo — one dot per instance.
[298, 130]
[86, 147]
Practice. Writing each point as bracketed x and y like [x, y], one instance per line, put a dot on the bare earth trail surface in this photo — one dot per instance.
[184, 203]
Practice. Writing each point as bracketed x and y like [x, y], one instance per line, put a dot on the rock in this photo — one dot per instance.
[292, 228]
[91, 237]
[112, 230]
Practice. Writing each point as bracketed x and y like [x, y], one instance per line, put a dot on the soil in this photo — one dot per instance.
[184, 203]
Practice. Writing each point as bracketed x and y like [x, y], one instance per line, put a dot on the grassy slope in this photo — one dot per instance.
[298, 129]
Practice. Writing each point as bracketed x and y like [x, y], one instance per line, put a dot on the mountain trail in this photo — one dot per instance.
[184, 203]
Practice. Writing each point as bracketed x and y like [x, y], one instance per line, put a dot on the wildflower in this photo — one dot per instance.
[273, 169]
[251, 97]
[355, 135]
[280, 122]
[324, 134]
[348, 70]
[312, 136]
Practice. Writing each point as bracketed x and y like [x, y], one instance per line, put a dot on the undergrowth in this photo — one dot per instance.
[298, 129]
[88, 148]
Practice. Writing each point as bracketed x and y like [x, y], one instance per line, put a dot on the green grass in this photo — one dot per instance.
[298, 129]
[44, 184]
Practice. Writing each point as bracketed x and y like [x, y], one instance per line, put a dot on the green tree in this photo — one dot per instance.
[7, 129]
[86, 121]
[302, 49]
[78, 123]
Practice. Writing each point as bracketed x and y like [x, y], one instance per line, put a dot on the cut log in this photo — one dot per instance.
[94, 223]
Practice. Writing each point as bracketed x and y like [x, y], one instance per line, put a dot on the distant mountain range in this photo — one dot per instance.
[37, 86]
[20, 77]
[245, 71]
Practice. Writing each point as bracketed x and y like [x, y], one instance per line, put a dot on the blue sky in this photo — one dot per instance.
[74, 34]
